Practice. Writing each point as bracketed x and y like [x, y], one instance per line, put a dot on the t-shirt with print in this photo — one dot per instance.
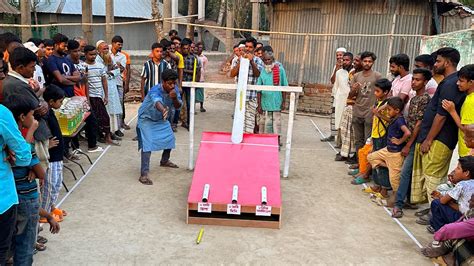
[462, 193]
[80, 87]
[379, 126]
[95, 74]
[467, 118]
[24, 188]
[65, 67]
[395, 131]
[365, 98]
[448, 90]
[416, 109]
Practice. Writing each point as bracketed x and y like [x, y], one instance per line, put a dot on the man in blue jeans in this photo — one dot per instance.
[416, 109]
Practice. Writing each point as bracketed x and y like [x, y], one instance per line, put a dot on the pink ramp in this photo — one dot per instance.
[250, 165]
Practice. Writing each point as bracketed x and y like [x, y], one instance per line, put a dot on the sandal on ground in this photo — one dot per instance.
[397, 213]
[410, 206]
[369, 190]
[126, 127]
[145, 180]
[42, 240]
[354, 166]
[40, 247]
[60, 212]
[168, 164]
[430, 229]
[353, 172]
[359, 181]
[422, 212]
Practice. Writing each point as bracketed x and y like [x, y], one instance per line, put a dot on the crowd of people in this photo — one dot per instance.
[398, 133]
[401, 133]
[35, 78]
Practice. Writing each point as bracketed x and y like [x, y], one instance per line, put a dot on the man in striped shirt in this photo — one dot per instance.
[152, 69]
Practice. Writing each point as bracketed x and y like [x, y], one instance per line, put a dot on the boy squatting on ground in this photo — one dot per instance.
[28, 209]
[397, 134]
[153, 127]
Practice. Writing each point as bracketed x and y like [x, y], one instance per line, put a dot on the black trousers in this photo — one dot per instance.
[7, 228]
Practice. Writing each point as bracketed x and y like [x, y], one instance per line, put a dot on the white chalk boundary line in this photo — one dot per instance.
[131, 120]
[385, 208]
[83, 177]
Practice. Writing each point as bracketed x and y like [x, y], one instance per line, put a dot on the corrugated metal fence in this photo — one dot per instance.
[345, 17]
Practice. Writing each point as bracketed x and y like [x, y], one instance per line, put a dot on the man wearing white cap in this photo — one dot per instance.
[339, 54]
[38, 78]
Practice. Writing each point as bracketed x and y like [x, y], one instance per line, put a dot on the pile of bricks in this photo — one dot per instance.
[315, 99]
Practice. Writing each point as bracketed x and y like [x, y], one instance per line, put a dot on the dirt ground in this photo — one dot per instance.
[115, 220]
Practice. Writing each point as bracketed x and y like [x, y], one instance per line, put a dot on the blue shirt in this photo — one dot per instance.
[10, 136]
[155, 133]
[26, 189]
[65, 67]
[395, 131]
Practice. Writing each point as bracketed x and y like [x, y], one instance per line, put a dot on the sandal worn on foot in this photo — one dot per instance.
[40, 247]
[59, 212]
[145, 180]
[359, 181]
[397, 213]
[42, 240]
[422, 212]
[168, 164]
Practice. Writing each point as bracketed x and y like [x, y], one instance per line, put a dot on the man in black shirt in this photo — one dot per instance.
[438, 134]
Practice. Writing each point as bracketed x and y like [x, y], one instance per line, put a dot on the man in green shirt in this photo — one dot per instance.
[270, 103]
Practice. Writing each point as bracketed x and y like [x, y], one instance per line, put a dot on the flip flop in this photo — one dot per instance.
[359, 181]
[42, 240]
[40, 247]
[169, 164]
[353, 172]
[60, 212]
[397, 213]
[422, 212]
[145, 181]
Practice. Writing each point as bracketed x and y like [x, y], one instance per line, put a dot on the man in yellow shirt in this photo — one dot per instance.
[465, 84]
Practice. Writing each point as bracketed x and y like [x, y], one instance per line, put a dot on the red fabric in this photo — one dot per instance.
[276, 75]
[224, 164]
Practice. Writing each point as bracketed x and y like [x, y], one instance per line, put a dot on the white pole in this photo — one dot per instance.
[289, 134]
[191, 129]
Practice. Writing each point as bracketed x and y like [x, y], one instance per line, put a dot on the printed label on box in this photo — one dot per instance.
[263, 210]
[233, 209]
[204, 207]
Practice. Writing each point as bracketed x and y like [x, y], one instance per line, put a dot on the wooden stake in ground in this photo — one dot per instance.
[192, 10]
[155, 13]
[25, 9]
[109, 18]
[87, 18]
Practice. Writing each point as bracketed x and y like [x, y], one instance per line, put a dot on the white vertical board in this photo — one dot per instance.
[201, 10]
[239, 112]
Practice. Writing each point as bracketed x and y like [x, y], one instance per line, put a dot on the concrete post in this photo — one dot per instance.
[87, 18]
[166, 14]
[25, 8]
[109, 18]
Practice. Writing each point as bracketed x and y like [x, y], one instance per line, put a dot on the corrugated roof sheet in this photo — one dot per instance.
[344, 17]
[122, 8]
[6, 8]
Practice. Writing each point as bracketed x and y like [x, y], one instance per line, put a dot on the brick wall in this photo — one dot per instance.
[316, 99]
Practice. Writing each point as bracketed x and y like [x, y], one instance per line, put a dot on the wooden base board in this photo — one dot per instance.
[246, 219]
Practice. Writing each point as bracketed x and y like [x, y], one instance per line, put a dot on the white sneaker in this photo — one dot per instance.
[97, 149]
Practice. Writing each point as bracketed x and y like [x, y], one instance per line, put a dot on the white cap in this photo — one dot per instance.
[31, 46]
[341, 49]
[99, 43]
[241, 45]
